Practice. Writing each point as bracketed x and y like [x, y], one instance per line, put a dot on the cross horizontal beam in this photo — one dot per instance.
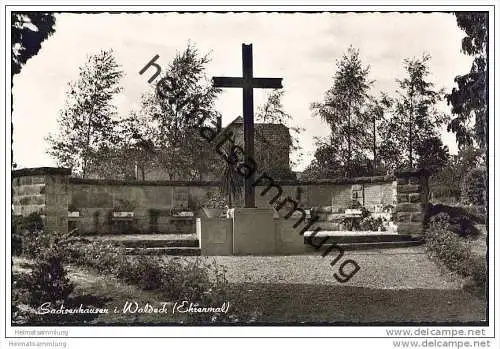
[222, 81]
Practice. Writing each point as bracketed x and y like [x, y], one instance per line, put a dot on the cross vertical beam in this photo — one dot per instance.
[248, 122]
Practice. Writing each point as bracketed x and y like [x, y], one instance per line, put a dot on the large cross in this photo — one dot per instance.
[248, 83]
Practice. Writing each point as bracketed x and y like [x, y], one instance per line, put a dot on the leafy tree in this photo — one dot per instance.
[28, 31]
[272, 110]
[374, 113]
[86, 123]
[450, 178]
[169, 115]
[325, 163]
[231, 184]
[342, 109]
[414, 118]
[432, 154]
[469, 99]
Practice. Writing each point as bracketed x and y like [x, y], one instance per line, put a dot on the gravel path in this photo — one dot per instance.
[392, 286]
[405, 268]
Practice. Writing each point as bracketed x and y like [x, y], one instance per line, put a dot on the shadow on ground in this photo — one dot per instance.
[306, 303]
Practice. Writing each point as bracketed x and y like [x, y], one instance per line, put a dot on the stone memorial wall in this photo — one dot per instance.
[106, 206]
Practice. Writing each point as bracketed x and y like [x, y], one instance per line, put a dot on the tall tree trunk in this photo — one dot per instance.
[410, 140]
[374, 144]
[86, 157]
[348, 169]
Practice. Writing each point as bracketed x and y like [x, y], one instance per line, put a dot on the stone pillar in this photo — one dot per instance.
[43, 190]
[412, 200]
[56, 199]
[253, 232]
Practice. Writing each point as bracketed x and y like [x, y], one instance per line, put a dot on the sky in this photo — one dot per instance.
[300, 48]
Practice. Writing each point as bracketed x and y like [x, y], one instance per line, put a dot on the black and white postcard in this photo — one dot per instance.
[196, 170]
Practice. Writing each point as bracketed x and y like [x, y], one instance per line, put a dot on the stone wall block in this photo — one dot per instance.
[409, 207]
[415, 197]
[417, 217]
[414, 180]
[402, 197]
[402, 181]
[409, 188]
[403, 216]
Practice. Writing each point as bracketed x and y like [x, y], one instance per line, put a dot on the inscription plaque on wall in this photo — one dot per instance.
[180, 197]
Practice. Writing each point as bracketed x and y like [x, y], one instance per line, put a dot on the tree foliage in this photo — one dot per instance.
[170, 112]
[325, 163]
[342, 109]
[231, 183]
[469, 98]
[87, 127]
[272, 110]
[28, 31]
[432, 154]
[375, 114]
[449, 179]
[414, 120]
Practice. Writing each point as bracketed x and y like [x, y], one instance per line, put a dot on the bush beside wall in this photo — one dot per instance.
[197, 281]
[474, 186]
[454, 252]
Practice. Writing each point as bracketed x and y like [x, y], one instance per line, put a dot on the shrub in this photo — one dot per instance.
[16, 244]
[474, 213]
[215, 199]
[142, 271]
[479, 270]
[22, 226]
[48, 281]
[441, 221]
[454, 218]
[102, 257]
[355, 204]
[33, 222]
[35, 243]
[456, 254]
[372, 224]
[195, 280]
[473, 187]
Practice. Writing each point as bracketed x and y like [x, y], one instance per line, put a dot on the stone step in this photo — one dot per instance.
[355, 240]
[361, 238]
[375, 245]
[150, 240]
[371, 245]
[158, 243]
[173, 232]
[158, 251]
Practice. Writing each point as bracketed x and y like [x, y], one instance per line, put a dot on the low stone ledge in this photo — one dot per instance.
[409, 188]
[354, 180]
[282, 182]
[76, 180]
[412, 172]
